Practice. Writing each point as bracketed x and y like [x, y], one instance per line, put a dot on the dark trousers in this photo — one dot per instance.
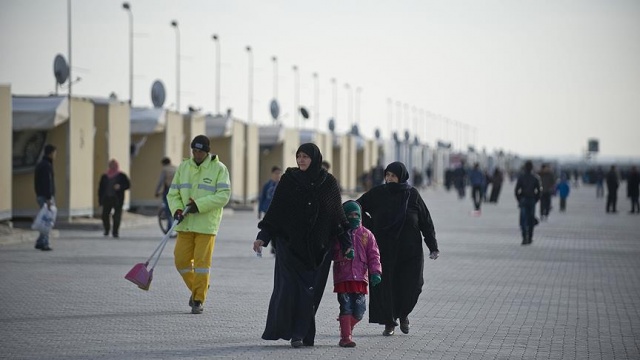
[612, 199]
[563, 204]
[108, 204]
[527, 217]
[476, 194]
[635, 206]
[545, 204]
[495, 193]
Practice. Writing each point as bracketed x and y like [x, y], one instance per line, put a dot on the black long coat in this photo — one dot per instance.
[401, 252]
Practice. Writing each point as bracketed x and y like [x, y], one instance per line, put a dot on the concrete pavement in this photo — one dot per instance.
[573, 294]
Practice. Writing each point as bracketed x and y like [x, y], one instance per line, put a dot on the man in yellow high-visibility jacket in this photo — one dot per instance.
[202, 184]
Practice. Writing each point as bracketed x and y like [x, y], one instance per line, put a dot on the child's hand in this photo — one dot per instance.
[434, 255]
[375, 279]
[349, 254]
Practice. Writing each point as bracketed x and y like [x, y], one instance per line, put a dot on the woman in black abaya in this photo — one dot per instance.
[399, 220]
[304, 215]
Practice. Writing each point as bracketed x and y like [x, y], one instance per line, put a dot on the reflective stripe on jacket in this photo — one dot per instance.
[208, 186]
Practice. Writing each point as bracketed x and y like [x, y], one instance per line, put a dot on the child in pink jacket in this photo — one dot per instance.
[350, 277]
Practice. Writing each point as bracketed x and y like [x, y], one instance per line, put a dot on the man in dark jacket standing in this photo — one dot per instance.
[45, 187]
[633, 189]
[528, 191]
[612, 189]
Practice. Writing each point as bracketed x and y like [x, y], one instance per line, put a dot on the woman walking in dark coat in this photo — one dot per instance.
[304, 215]
[633, 189]
[111, 196]
[399, 220]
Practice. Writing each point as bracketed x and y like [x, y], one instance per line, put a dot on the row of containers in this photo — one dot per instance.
[102, 129]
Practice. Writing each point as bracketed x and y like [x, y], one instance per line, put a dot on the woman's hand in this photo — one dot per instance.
[257, 246]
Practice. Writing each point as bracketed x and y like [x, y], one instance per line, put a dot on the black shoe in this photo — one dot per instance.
[296, 343]
[404, 325]
[191, 301]
[389, 330]
[197, 307]
[46, 248]
[116, 235]
[39, 246]
[106, 233]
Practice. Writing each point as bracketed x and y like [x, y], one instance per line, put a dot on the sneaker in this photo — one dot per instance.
[296, 343]
[191, 301]
[197, 307]
[46, 248]
[389, 330]
[404, 325]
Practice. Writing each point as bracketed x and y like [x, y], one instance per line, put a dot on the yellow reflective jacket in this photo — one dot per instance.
[208, 186]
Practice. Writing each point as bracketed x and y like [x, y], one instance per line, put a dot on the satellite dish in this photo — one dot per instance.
[332, 125]
[275, 109]
[395, 136]
[406, 135]
[157, 94]
[304, 112]
[377, 133]
[354, 130]
[416, 142]
[60, 69]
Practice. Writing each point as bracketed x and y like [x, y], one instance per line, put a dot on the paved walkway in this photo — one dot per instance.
[573, 294]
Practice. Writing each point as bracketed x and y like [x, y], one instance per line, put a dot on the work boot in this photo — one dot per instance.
[345, 332]
[197, 307]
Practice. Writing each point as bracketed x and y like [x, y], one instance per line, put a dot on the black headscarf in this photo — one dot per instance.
[403, 187]
[314, 174]
[399, 170]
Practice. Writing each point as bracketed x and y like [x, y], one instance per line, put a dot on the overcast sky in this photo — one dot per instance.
[527, 76]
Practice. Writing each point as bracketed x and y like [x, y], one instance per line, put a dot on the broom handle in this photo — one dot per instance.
[164, 241]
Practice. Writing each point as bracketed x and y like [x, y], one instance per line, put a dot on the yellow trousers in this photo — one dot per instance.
[193, 261]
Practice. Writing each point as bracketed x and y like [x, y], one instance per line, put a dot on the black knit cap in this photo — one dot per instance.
[201, 142]
[399, 170]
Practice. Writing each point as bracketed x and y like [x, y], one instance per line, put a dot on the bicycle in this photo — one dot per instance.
[163, 221]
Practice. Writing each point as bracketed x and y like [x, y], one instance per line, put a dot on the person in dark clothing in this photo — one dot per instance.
[162, 188]
[269, 188]
[496, 185]
[548, 182]
[45, 187]
[400, 220]
[633, 189]
[599, 178]
[612, 189]
[528, 190]
[478, 183]
[111, 190]
[460, 180]
[304, 218]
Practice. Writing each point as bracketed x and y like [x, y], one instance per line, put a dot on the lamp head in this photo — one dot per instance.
[126, 6]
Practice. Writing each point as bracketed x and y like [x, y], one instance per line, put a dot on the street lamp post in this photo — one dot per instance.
[335, 98]
[127, 7]
[174, 23]
[296, 96]
[250, 108]
[275, 77]
[216, 40]
[357, 114]
[316, 100]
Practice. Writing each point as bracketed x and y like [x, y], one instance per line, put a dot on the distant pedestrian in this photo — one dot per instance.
[633, 190]
[563, 189]
[202, 184]
[164, 183]
[613, 181]
[599, 182]
[496, 185]
[45, 186]
[351, 276]
[478, 182]
[460, 180]
[400, 221]
[268, 189]
[111, 190]
[548, 181]
[528, 190]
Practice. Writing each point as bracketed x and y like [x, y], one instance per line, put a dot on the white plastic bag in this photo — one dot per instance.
[45, 219]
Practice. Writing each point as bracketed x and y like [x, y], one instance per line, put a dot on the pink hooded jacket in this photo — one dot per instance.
[365, 261]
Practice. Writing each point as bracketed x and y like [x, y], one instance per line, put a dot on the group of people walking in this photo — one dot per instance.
[309, 227]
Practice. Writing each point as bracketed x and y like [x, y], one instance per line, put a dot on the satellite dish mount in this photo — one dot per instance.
[60, 70]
